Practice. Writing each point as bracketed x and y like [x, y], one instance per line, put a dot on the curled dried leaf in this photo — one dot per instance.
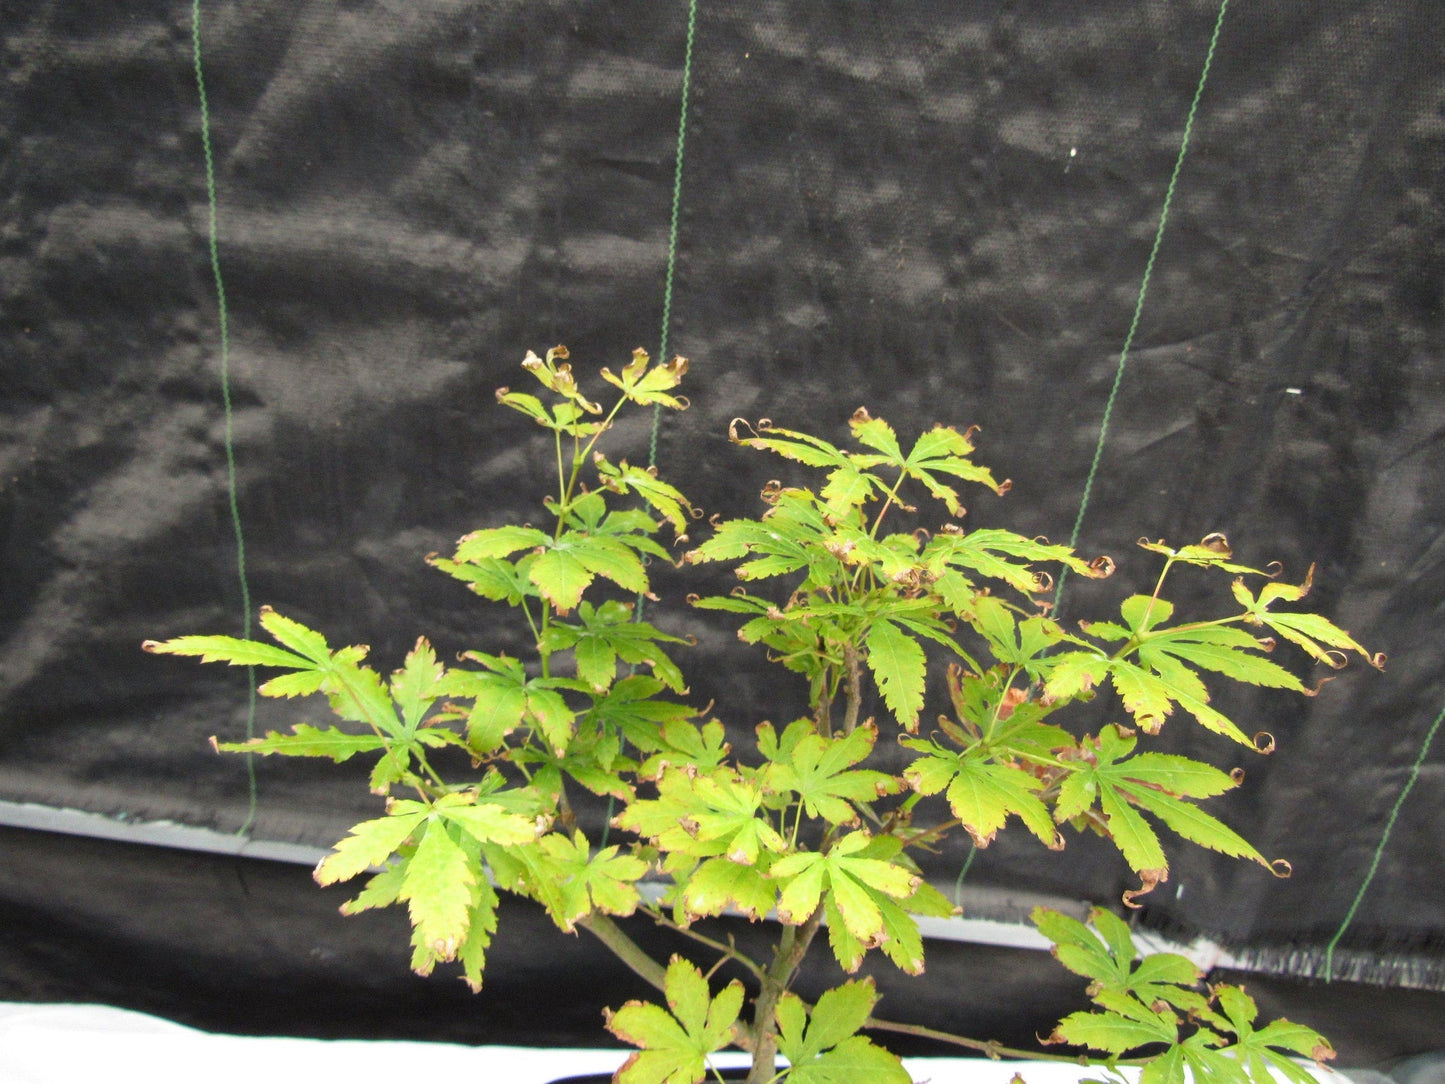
[1216, 542]
[1149, 879]
[1264, 742]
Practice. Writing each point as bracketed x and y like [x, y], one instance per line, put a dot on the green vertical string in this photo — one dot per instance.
[676, 210]
[1380, 850]
[667, 284]
[1139, 302]
[224, 320]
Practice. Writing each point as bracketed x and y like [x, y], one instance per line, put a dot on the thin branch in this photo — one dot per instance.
[625, 949]
[989, 1048]
[728, 951]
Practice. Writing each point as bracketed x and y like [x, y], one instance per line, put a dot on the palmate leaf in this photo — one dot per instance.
[825, 1048]
[1318, 636]
[1001, 555]
[586, 882]
[491, 577]
[1115, 1033]
[607, 633]
[1255, 1053]
[982, 793]
[817, 770]
[802, 447]
[794, 535]
[632, 709]
[648, 386]
[1111, 961]
[1150, 695]
[1157, 783]
[704, 816]
[556, 376]
[676, 1044]
[371, 843]
[504, 698]
[1221, 649]
[902, 941]
[718, 884]
[940, 451]
[662, 498]
[355, 692]
[846, 877]
[493, 542]
[567, 566]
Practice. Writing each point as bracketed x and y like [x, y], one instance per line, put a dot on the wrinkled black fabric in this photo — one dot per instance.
[940, 211]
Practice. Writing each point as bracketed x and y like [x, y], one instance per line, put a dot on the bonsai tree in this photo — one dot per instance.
[851, 600]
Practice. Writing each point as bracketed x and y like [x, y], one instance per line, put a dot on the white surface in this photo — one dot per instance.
[71, 1044]
[78, 1044]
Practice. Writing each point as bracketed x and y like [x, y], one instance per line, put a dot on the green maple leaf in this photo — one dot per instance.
[632, 708]
[1115, 1032]
[704, 816]
[495, 542]
[1149, 695]
[683, 742]
[1157, 783]
[492, 577]
[1108, 957]
[902, 940]
[982, 792]
[648, 386]
[824, 1048]
[568, 565]
[1253, 1053]
[793, 535]
[662, 498]
[504, 698]
[588, 882]
[355, 692]
[816, 769]
[1321, 638]
[846, 877]
[790, 444]
[606, 634]
[676, 1041]
[371, 843]
[720, 883]
[940, 451]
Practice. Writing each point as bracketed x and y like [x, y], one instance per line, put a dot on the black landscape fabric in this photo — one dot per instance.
[941, 211]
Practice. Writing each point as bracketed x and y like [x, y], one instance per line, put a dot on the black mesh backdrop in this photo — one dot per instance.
[941, 211]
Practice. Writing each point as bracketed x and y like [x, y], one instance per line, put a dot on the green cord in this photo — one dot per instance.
[667, 287]
[676, 209]
[1139, 303]
[1380, 850]
[226, 403]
